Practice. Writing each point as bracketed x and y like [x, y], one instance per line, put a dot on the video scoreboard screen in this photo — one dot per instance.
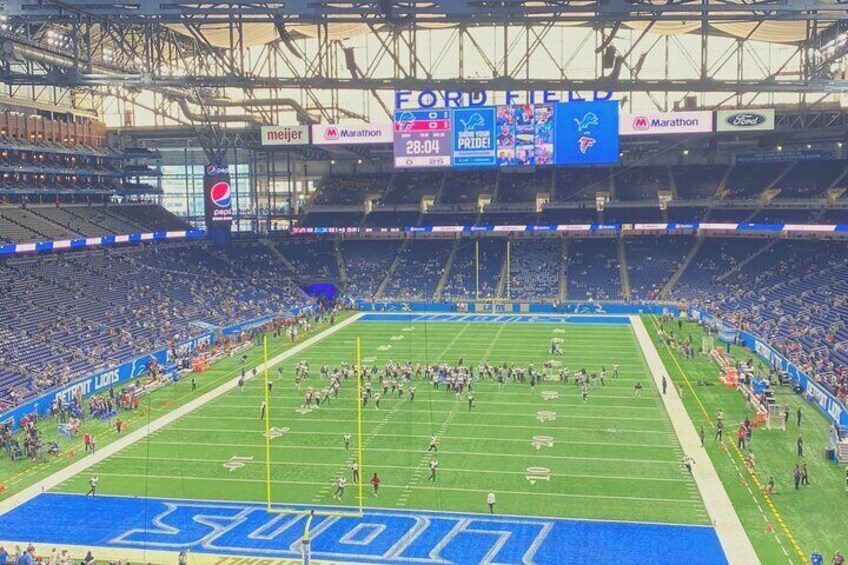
[573, 133]
[422, 138]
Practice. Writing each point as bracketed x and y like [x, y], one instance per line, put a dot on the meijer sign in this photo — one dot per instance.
[285, 135]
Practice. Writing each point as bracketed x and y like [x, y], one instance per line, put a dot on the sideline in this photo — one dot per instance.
[78, 467]
[734, 540]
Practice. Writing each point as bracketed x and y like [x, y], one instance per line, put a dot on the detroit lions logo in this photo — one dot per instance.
[472, 123]
[404, 121]
[587, 121]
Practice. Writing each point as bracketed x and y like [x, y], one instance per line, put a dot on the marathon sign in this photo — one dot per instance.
[285, 135]
[360, 134]
[654, 123]
[745, 120]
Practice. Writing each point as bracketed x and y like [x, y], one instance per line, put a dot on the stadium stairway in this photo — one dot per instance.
[437, 295]
[337, 250]
[780, 177]
[563, 271]
[683, 266]
[504, 273]
[34, 211]
[672, 184]
[117, 217]
[625, 276]
[385, 282]
[7, 215]
[720, 189]
[276, 253]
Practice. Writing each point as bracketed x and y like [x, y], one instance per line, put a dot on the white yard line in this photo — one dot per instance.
[734, 540]
[74, 469]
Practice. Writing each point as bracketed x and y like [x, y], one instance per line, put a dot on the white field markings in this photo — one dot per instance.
[369, 438]
[588, 477]
[732, 536]
[424, 437]
[323, 448]
[375, 430]
[447, 401]
[415, 476]
[225, 479]
[87, 462]
[500, 427]
[496, 414]
[537, 472]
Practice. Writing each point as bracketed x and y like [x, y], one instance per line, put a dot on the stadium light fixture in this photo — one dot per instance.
[779, 148]
[685, 152]
[839, 144]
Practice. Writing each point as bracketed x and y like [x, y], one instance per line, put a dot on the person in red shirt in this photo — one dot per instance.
[87, 440]
[118, 426]
[740, 437]
[375, 484]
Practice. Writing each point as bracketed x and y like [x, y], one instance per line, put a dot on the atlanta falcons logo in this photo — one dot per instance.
[585, 143]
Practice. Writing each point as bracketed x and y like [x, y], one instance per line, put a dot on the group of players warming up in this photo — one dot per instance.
[399, 381]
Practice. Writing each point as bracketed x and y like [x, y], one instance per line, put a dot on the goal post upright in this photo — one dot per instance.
[359, 450]
[267, 425]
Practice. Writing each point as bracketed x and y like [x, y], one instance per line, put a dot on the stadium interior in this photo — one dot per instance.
[189, 194]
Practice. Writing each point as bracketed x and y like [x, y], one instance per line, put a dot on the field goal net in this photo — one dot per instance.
[707, 344]
[776, 417]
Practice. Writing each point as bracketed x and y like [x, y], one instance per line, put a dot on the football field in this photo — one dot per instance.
[544, 451]
[612, 457]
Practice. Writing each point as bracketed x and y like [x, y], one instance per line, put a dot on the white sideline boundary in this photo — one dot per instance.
[732, 536]
[88, 461]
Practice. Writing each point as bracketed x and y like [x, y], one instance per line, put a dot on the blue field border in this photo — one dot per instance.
[412, 317]
[380, 536]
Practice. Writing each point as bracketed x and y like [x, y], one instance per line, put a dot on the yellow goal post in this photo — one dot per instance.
[281, 508]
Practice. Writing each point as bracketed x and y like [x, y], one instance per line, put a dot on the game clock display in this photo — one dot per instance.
[529, 135]
[422, 138]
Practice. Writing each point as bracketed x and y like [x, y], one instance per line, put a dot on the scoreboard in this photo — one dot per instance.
[573, 133]
[422, 138]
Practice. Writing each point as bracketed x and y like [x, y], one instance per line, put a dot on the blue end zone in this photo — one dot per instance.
[497, 318]
[381, 536]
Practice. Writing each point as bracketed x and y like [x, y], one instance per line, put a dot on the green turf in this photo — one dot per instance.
[17, 475]
[816, 516]
[614, 457]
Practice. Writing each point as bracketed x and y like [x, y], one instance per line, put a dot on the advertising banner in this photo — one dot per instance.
[285, 135]
[745, 120]
[355, 134]
[656, 123]
[218, 196]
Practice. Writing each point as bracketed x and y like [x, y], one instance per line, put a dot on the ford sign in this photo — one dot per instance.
[738, 120]
[745, 120]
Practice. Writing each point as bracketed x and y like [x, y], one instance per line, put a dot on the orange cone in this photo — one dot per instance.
[71, 453]
[2, 488]
[769, 527]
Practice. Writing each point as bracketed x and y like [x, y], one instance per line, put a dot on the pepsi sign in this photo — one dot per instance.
[218, 196]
